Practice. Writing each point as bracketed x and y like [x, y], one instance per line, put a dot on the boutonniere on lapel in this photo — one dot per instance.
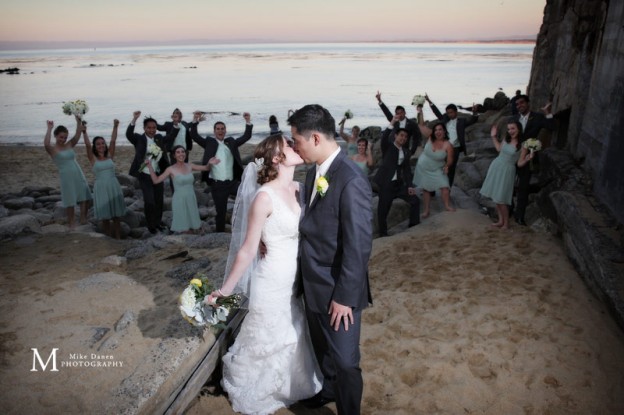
[322, 184]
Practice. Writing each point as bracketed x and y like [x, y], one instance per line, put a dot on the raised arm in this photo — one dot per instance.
[369, 156]
[383, 107]
[155, 178]
[494, 135]
[424, 130]
[341, 132]
[113, 140]
[130, 130]
[248, 129]
[207, 166]
[88, 146]
[197, 118]
[260, 209]
[435, 109]
[48, 137]
[78, 133]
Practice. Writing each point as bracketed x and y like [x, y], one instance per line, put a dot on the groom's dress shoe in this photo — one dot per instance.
[316, 401]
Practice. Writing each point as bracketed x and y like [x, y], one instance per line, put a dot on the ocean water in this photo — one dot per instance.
[263, 79]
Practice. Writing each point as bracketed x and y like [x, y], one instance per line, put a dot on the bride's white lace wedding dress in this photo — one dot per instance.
[271, 364]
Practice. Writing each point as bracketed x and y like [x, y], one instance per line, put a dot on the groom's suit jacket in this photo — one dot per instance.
[140, 149]
[336, 238]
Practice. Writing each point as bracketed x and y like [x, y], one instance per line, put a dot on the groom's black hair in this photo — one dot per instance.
[313, 117]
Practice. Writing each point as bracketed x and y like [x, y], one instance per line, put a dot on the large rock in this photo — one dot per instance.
[467, 176]
[20, 203]
[16, 224]
[399, 212]
[133, 219]
[577, 63]
[129, 181]
[188, 270]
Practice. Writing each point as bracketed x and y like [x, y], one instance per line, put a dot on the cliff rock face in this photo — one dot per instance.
[578, 63]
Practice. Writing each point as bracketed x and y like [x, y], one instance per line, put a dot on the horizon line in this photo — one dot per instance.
[80, 44]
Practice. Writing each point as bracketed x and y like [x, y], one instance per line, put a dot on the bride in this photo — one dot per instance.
[271, 364]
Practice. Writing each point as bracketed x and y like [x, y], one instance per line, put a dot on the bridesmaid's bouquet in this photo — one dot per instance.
[532, 144]
[348, 115]
[199, 314]
[418, 100]
[77, 107]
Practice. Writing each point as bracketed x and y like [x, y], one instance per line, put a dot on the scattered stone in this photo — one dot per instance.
[54, 228]
[20, 203]
[115, 260]
[4, 212]
[124, 321]
[103, 281]
[189, 269]
[48, 199]
[99, 333]
[210, 241]
[11, 226]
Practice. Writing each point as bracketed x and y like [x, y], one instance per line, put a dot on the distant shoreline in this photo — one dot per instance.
[55, 45]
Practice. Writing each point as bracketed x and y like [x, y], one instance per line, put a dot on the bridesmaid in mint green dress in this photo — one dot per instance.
[431, 173]
[363, 158]
[74, 187]
[108, 198]
[184, 203]
[499, 182]
[352, 140]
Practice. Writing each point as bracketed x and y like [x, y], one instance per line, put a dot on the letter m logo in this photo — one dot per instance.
[37, 358]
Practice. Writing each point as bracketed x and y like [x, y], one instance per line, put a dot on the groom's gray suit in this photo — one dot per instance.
[336, 242]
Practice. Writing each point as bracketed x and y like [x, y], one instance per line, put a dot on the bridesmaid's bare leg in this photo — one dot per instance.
[446, 199]
[84, 208]
[116, 228]
[505, 215]
[427, 200]
[499, 213]
[70, 216]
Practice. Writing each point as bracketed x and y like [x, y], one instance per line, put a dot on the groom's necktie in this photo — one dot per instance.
[316, 177]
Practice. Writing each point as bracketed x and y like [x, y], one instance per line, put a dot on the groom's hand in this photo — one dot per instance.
[340, 313]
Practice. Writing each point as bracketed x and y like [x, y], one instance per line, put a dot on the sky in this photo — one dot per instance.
[137, 21]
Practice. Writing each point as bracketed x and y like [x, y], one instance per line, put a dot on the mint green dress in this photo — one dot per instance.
[362, 165]
[429, 174]
[351, 149]
[499, 181]
[74, 187]
[108, 199]
[184, 204]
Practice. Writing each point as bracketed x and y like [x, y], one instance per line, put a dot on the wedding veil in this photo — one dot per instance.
[244, 197]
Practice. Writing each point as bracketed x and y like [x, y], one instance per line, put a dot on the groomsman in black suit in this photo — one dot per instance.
[182, 135]
[152, 193]
[223, 178]
[394, 176]
[456, 128]
[532, 123]
[413, 132]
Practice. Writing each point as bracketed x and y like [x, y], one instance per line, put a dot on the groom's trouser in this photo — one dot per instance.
[221, 191]
[338, 355]
[152, 201]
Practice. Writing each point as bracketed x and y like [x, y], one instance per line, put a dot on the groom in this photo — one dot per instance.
[335, 246]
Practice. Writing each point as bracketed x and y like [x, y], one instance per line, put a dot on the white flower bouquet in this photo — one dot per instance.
[418, 100]
[532, 144]
[77, 107]
[154, 153]
[196, 312]
[348, 115]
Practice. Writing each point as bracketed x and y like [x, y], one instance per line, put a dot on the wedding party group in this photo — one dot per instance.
[298, 251]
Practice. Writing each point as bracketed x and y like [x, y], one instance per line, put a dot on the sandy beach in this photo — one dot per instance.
[466, 319]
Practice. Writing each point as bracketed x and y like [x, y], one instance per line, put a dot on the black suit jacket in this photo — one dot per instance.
[415, 137]
[169, 128]
[535, 123]
[390, 160]
[336, 238]
[210, 145]
[139, 141]
[462, 124]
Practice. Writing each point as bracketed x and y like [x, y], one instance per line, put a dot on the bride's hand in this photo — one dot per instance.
[211, 299]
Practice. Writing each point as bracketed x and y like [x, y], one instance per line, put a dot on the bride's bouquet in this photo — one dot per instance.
[154, 153]
[418, 100]
[77, 107]
[199, 314]
[348, 115]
